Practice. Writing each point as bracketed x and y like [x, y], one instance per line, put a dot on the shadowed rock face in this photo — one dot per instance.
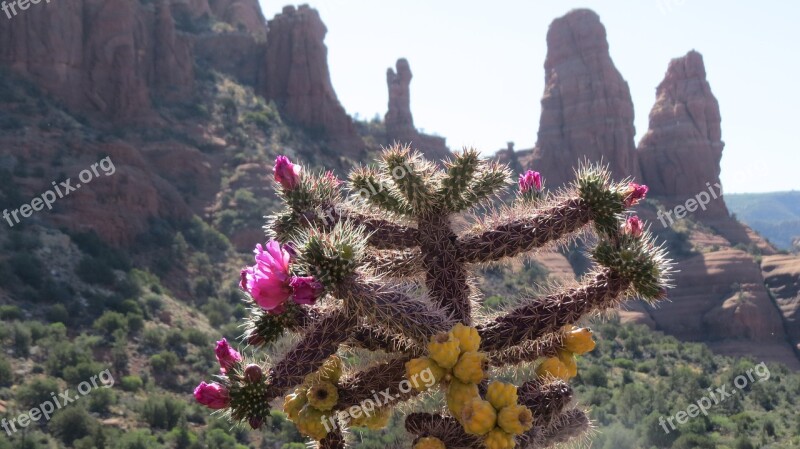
[399, 121]
[102, 56]
[587, 112]
[297, 78]
[782, 278]
[681, 151]
[245, 15]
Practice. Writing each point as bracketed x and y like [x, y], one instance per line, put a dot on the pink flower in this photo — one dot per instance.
[226, 355]
[286, 173]
[306, 289]
[634, 226]
[530, 180]
[268, 280]
[634, 194]
[213, 395]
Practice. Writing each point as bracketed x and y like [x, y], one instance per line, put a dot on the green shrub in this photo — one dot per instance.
[131, 383]
[58, 313]
[135, 323]
[109, 322]
[137, 439]
[36, 391]
[101, 399]
[6, 373]
[21, 340]
[95, 271]
[9, 313]
[164, 363]
[63, 355]
[71, 423]
[162, 411]
[27, 268]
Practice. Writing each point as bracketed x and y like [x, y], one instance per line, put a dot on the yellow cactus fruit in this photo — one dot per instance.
[501, 394]
[444, 350]
[294, 402]
[467, 337]
[458, 394]
[379, 419]
[568, 359]
[553, 367]
[478, 417]
[311, 422]
[498, 439]
[579, 340]
[429, 443]
[515, 419]
[415, 369]
[471, 367]
[322, 395]
[330, 371]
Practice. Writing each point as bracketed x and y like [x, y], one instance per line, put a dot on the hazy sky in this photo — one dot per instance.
[479, 77]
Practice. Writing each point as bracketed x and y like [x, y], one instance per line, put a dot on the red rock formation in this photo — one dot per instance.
[398, 118]
[399, 121]
[102, 56]
[52, 59]
[681, 150]
[173, 67]
[296, 77]
[245, 15]
[587, 112]
[782, 278]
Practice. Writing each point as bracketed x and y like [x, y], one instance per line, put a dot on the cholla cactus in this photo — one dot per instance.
[386, 269]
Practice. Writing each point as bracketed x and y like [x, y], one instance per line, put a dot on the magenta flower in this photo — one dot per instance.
[306, 289]
[213, 395]
[286, 173]
[634, 226]
[531, 180]
[268, 280]
[635, 193]
[226, 356]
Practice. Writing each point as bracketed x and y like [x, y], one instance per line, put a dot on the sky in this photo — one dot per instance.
[479, 76]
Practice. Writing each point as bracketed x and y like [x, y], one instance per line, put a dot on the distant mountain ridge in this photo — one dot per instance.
[775, 215]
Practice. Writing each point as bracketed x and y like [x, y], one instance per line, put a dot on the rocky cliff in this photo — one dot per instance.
[681, 151]
[108, 57]
[587, 112]
[399, 120]
[297, 78]
[720, 295]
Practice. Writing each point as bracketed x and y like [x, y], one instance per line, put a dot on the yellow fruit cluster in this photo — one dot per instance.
[451, 354]
[306, 406]
[576, 341]
[376, 420]
[498, 418]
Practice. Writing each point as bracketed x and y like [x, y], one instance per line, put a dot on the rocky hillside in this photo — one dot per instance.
[723, 294]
